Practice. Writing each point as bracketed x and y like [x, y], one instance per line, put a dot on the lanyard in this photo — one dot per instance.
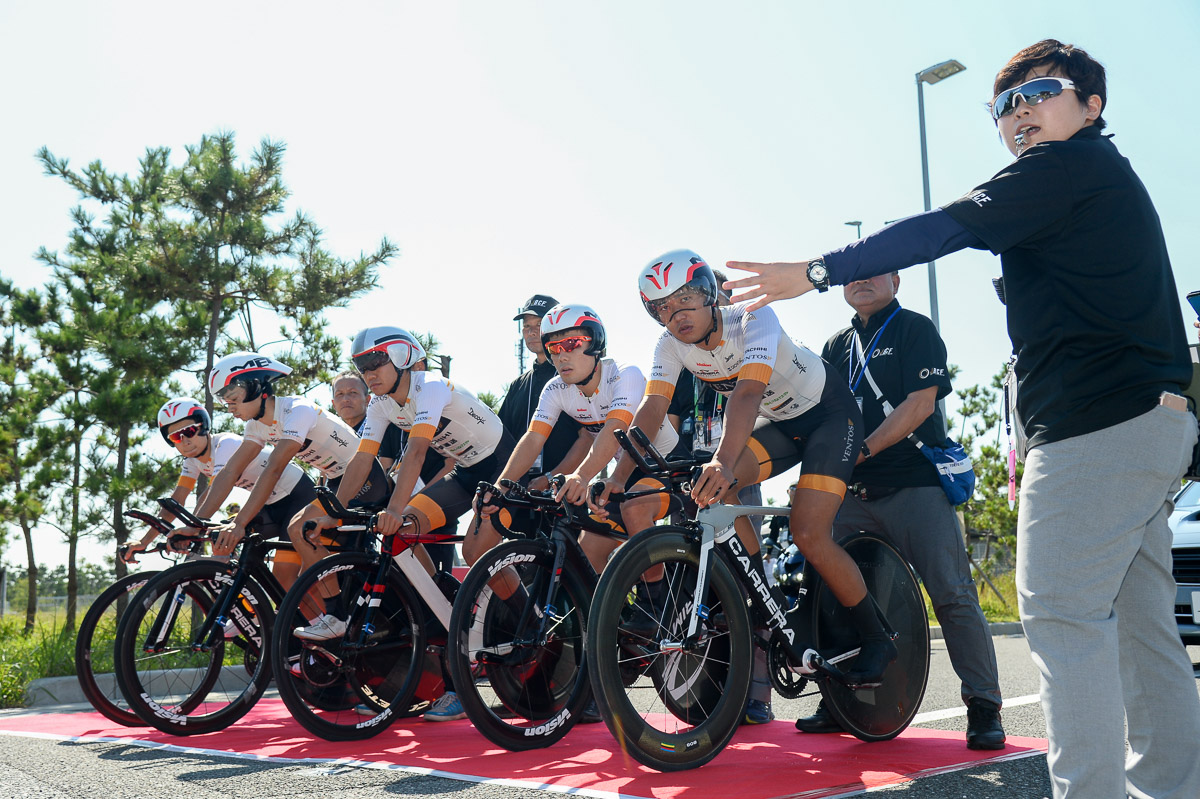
[870, 350]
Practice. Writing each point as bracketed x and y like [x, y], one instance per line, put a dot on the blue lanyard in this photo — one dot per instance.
[867, 352]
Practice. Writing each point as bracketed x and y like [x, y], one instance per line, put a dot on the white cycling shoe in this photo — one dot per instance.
[324, 628]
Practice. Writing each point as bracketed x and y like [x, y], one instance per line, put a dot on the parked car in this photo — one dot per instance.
[1185, 552]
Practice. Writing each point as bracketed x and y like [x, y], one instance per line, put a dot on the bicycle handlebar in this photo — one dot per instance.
[184, 515]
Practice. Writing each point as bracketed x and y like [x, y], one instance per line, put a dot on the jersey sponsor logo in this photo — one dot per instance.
[478, 419]
[724, 385]
[801, 368]
[979, 198]
[782, 403]
[924, 373]
[333, 434]
[882, 351]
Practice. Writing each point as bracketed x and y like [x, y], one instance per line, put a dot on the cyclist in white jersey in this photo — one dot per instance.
[783, 408]
[186, 425]
[599, 393]
[435, 413]
[244, 382]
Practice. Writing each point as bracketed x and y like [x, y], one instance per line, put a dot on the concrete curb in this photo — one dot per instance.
[66, 690]
[997, 628]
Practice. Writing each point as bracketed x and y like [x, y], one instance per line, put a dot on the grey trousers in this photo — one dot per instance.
[923, 525]
[1097, 603]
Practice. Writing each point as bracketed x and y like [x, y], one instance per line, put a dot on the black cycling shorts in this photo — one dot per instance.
[374, 491]
[274, 518]
[825, 440]
[451, 497]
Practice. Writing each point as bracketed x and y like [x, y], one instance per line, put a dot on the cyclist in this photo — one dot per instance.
[245, 383]
[186, 425]
[782, 408]
[599, 393]
[437, 414]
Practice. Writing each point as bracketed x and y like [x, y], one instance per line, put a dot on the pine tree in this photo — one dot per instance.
[28, 475]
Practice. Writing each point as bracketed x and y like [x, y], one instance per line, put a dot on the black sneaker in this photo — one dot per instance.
[641, 618]
[757, 712]
[590, 714]
[819, 722]
[874, 656]
[984, 730]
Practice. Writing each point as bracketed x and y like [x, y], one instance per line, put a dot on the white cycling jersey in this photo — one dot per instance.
[221, 447]
[456, 424]
[753, 346]
[326, 442]
[621, 389]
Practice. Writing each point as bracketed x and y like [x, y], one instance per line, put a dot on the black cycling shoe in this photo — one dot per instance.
[874, 656]
[984, 730]
[820, 722]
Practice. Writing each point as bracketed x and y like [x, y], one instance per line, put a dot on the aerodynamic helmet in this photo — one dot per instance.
[673, 272]
[178, 409]
[571, 316]
[254, 372]
[400, 346]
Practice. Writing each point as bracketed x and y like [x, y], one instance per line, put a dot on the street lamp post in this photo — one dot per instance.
[857, 225]
[931, 76]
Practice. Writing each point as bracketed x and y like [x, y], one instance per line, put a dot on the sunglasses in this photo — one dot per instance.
[568, 344]
[369, 361]
[1031, 91]
[184, 432]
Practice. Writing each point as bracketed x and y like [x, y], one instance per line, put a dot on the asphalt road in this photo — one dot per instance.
[33, 768]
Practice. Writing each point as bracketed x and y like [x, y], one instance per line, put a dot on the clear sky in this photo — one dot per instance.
[515, 147]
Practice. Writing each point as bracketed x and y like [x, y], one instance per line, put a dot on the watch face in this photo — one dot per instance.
[817, 273]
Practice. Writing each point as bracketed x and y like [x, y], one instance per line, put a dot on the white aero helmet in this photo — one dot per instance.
[178, 409]
[671, 272]
[567, 317]
[252, 371]
[400, 346]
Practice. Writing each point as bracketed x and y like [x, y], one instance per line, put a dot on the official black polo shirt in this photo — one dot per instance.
[1092, 306]
[907, 356]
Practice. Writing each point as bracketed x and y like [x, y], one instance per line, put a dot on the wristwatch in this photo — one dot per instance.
[866, 451]
[818, 274]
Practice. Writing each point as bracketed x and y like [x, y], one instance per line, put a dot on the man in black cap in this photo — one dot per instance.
[522, 398]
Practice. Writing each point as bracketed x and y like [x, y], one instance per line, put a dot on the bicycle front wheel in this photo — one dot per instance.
[672, 703]
[95, 649]
[531, 650]
[163, 670]
[353, 686]
[876, 714]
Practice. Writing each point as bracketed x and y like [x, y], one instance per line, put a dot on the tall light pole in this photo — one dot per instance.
[931, 76]
[857, 225]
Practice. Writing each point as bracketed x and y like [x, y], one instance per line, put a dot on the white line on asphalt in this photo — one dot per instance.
[954, 712]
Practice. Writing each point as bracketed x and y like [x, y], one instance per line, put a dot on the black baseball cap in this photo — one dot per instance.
[537, 304]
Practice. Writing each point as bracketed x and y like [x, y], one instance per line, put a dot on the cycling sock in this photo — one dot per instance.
[334, 607]
[866, 620]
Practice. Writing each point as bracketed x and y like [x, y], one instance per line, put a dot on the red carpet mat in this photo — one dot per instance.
[763, 762]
